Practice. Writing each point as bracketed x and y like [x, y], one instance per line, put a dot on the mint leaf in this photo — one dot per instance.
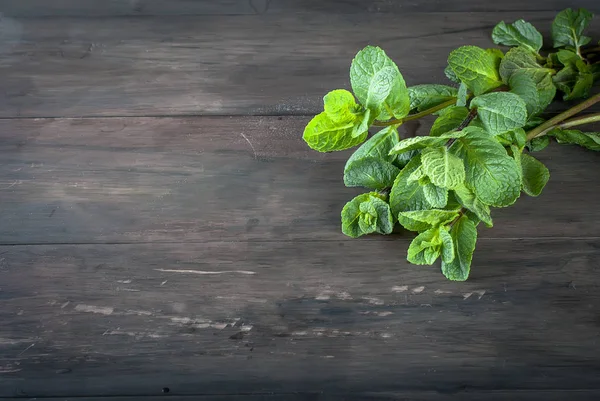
[520, 59]
[464, 237]
[340, 106]
[535, 175]
[423, 97]
[537, 144]
[451, 75]
[490, 172]
[568, 27]
[516, 137]
[589, 140]
[581, 89]
[366, 214]
[421, 142]
[378, 84]
[447, 246]
[462, 95]
[370, 172]
[436, 196]
[449, 120]
[325, 135]
[519, 33]
[425, 248]
[476, 68]
[421, 220]
[378, 146]
[406, 195]
[500, 111]
[522, 85]
[443, 168]
[469, 201]
[567, 57]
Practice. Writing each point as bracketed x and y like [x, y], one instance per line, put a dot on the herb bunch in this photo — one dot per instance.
[477, 154]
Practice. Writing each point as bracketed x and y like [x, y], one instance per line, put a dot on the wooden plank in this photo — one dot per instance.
[306, 316]
[109, 8]
[198, 65]
[127, 180]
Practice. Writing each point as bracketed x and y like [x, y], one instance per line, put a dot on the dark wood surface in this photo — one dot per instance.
[164, 226]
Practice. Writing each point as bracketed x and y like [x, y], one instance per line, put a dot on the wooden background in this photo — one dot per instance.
[164, 226]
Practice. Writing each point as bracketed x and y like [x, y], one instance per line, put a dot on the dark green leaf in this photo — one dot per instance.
[500, 111]
[535, 175]
[568, 27]
[519, 33]
[405, 195]
[370, 172]
[537, 144]
[449, 120]
[589, 140]
[436, 196]
[520, 59]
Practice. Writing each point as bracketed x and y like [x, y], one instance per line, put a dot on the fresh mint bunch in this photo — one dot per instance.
[477, 155]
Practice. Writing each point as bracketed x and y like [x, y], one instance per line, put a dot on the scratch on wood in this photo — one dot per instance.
[374, 300]
[206, 272]
[250, 143]
[418, 290]
[13, 184]
[103, 310]
[124, 281]
[481, 293]
[441, 292]
[400, 288]
[22, 352]
[466, 295]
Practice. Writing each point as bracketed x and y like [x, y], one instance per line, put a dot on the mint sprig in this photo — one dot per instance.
[476, 156]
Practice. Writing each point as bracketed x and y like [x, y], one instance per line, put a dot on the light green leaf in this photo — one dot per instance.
[500, 111]
[362, 124]
[450, 74]
[490, 172]
[443, 168]
[370, 172]
[464, 236]
[366, 214]
[421, 220]
[476, 68]
[378, 84]
[425, 248]
[426, 96]
[340, 106]
[537, 144]
[568, 27]
[416, 175]
[436, 196]
[378, 146]
[589, 140]
[469, 201]
[535, 175]
[325, 135]
[447, 246]
[405, 195]
[519, 33]
[421, 142]
[520, 59]
[497, 55]
[449, 120]
[462, 95]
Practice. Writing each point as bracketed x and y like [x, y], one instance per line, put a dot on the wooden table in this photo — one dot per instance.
[164, 228]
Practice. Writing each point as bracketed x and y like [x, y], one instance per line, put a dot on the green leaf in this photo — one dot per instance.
[462, 95]
[378, 84]
[568, 27]
[523, 85]
[366, 214]
[520, 59]
[490, 172]
[568, 58]
[447, 246]
[426, 96]
[405, 195]
[325, 135]
[500, 111]
[421, 142]
[469, 201]
[436, 196]
[464, 236]
[581, 89]
[425, 248]
[449, 120]
[589, 140]
[534, 122]
[451, 75]
[537, 144]
[443, 168]
[519, 33]
[370, 172]
[476, 68]
[340, 106]
[535, 175]
[516, 137]
[421, 220]
[378, 146]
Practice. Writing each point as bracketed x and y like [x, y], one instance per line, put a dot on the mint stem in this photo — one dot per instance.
[573, 122]
[542, 129]
[417, 115]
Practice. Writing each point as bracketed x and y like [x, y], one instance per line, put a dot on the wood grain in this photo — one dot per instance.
[302, 316]
[127, 180]
[279, 64]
